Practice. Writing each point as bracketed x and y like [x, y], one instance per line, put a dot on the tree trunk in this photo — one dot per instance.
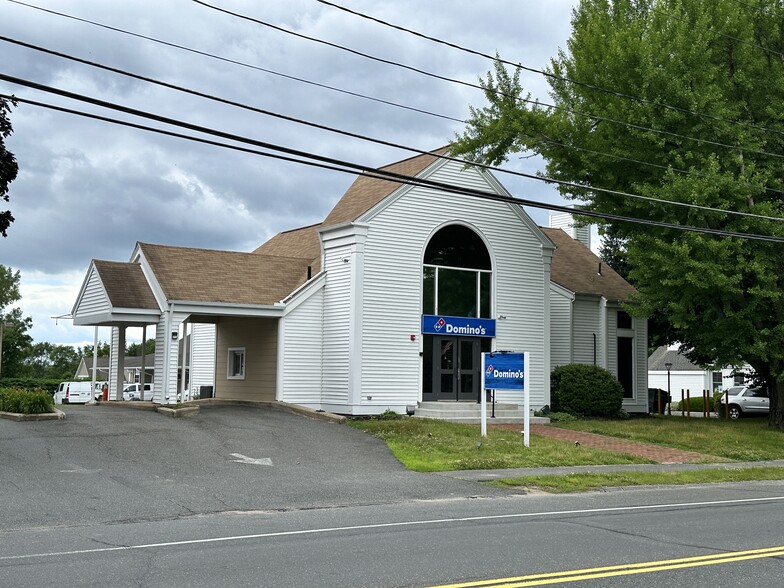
[776, 394]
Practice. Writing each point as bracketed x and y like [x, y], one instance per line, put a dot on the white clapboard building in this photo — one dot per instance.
[385, 304]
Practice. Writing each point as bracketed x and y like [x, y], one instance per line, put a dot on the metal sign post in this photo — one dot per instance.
[505, 370]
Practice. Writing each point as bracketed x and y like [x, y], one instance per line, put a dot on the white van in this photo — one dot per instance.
[133, 392]
[73, 392]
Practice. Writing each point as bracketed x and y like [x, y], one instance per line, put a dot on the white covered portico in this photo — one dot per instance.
[224, 304]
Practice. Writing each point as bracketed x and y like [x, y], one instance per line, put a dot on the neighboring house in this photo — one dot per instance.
[346, 315]
[588, 325]
[685, 375]
[132, 366]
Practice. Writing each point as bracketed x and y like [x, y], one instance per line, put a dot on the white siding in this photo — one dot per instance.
[94, 299]
[167, 348]
[302, 352]
[202, 364]
[391, 365]
[565, 221]
[337, 319]
[560, 328]
[641, 362]
[586, 317]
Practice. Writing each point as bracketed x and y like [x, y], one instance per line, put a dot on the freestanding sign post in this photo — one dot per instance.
[505, 370]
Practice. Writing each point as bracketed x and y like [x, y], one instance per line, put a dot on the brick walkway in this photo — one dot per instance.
[655, 453]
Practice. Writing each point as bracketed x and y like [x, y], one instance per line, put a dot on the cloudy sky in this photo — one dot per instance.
[90, 190]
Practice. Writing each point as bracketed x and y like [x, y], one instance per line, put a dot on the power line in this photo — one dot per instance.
[239, 63]
[344, 91]
[548, 74]
[535, 103]
[353, 168]
[563, 183]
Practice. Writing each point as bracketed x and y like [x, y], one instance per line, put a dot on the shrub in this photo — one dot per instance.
[25, 401]
[695, 404]
[46, 384]
[561, 417]
[585, 390]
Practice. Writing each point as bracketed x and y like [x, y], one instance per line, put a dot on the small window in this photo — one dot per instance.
[624, 320]
[236, 363]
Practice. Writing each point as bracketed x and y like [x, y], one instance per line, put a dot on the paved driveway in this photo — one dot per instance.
[105, 463]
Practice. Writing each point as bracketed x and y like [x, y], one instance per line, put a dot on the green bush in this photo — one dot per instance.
[695, 404]
[25, 401]
[46, 384]
[585, 390]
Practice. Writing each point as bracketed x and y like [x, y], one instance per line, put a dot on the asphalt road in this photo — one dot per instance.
[111, 464]
[112, 497]
[666, 537]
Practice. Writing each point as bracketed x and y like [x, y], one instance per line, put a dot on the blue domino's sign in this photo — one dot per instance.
[504, 371]
[457, 326]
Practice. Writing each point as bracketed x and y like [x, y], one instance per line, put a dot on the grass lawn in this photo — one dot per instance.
[585, 482]
[425, 445]
[747, 439]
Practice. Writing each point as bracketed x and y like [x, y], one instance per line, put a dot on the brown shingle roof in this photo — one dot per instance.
[576, 268]
[206, 275]
[366, 191]
[125, 284]
[302, 243]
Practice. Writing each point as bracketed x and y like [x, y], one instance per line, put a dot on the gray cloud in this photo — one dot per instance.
[88, 189]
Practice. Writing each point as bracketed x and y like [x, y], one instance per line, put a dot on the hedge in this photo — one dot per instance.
[25, 401]
[46, 384]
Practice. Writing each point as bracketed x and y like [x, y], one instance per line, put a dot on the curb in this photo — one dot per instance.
[136, 405]
[284, 406]
[57, 415]
[208, 402]
[178, 412]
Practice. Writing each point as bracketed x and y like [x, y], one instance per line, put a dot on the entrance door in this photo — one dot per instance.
[456, 365]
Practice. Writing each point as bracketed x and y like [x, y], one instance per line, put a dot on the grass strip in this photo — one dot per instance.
[590, 481]
[426, 445]
[747, 439]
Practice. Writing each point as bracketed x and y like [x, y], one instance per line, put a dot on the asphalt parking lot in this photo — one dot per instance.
[105, 463]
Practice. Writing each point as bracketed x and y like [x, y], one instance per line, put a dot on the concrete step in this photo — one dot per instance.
[470, 412]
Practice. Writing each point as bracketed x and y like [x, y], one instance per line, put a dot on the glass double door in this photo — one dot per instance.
[456, 365]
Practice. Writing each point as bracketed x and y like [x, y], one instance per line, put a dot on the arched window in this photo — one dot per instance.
[456, 275]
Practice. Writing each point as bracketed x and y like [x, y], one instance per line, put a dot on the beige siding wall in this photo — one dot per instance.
[259, 337]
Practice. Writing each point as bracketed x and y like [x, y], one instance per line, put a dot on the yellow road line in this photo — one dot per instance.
[621, 570]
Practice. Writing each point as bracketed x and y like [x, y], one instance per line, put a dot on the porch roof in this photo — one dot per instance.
[224, 277]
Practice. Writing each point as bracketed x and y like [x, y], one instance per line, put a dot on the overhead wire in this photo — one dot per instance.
[573, 185]
[535, 103]
[237, 62]
[545, 73]
[344, 91]
[364, 169]
[333, 164]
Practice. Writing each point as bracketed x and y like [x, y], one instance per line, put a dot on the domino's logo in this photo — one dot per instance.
[489, 370]
[439, 324]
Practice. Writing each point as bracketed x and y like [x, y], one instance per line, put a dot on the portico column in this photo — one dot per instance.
[117, 363]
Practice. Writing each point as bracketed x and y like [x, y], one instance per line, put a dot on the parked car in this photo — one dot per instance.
[133, 392]
[743, 400]
[73, 392]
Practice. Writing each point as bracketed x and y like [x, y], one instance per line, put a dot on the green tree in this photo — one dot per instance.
[103, 350]
[9, 287]
[685, 76]
[15, 341]
[135, 349]
[8, 166]
[50, 361]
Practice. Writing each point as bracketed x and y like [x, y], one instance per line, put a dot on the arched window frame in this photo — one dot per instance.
[432, 300]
